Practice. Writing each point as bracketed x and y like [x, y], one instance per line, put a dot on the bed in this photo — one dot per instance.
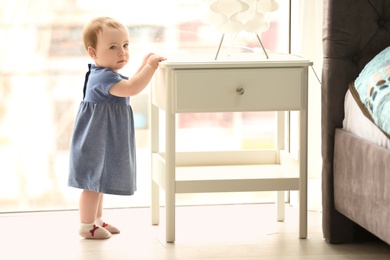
[356, 168]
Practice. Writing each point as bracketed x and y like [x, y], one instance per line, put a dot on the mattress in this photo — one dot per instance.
[357, 123]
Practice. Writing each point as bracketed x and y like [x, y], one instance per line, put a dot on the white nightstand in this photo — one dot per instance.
[199, 84]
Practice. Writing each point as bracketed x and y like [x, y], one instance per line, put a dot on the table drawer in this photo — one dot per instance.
[254, 89]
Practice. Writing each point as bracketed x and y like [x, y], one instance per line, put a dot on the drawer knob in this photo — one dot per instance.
[240, 91]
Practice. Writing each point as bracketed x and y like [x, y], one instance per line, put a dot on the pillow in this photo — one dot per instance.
[371, 90]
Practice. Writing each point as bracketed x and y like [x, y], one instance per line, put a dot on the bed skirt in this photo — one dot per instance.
[361, 185]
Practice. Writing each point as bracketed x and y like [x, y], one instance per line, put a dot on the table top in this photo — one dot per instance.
[237, 60]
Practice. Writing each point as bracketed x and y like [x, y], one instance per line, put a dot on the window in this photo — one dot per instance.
[42, 67]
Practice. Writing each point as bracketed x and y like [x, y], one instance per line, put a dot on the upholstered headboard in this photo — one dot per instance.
[354, 31]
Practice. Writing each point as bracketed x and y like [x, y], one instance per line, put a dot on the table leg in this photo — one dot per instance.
[280, 145]
[280, 205]
[303, 170]
[170, 191]
[155, 204]
[155, 147]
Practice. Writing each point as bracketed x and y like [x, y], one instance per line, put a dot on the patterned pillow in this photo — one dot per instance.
[371, 90]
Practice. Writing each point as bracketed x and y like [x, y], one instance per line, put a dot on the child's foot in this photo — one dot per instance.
[92, 231]
[111, 229]
[108, 227]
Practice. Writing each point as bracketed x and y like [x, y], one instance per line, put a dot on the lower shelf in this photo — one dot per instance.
[227, 178]
[234, 179]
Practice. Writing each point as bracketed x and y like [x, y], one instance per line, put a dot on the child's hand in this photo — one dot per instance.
[153, 60]
[145, 59]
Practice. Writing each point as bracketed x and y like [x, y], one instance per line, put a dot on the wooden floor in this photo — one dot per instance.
[203, 232]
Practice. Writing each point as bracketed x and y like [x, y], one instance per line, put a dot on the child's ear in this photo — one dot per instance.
[92, 52]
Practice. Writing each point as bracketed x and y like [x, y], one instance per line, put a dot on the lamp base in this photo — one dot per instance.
[258, 38]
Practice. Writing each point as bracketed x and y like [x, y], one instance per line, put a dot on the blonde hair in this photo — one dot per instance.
[92, 29]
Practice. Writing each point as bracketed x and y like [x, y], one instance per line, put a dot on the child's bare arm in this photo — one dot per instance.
[139, 81]
[144, 62]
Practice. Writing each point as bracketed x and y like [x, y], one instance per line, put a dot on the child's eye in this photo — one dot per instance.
[113, 48]
[126, 46]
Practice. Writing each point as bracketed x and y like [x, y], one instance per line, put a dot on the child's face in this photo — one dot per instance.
[112, 48]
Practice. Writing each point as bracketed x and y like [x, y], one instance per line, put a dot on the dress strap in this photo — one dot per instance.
[86, 80]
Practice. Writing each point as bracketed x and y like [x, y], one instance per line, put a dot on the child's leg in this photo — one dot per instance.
[99, 213]
[89, 204]
[100, 222]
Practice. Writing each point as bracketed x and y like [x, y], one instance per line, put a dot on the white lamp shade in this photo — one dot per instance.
[264, 6]
[232, 16]
[248, 13]
[257, 25]
[232, 26]
[228, 7]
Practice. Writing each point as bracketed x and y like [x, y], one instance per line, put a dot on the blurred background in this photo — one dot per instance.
[42, 68]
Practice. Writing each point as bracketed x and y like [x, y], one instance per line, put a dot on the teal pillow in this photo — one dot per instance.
[372, 88]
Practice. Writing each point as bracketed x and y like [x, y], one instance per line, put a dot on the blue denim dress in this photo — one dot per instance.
[102, 150]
